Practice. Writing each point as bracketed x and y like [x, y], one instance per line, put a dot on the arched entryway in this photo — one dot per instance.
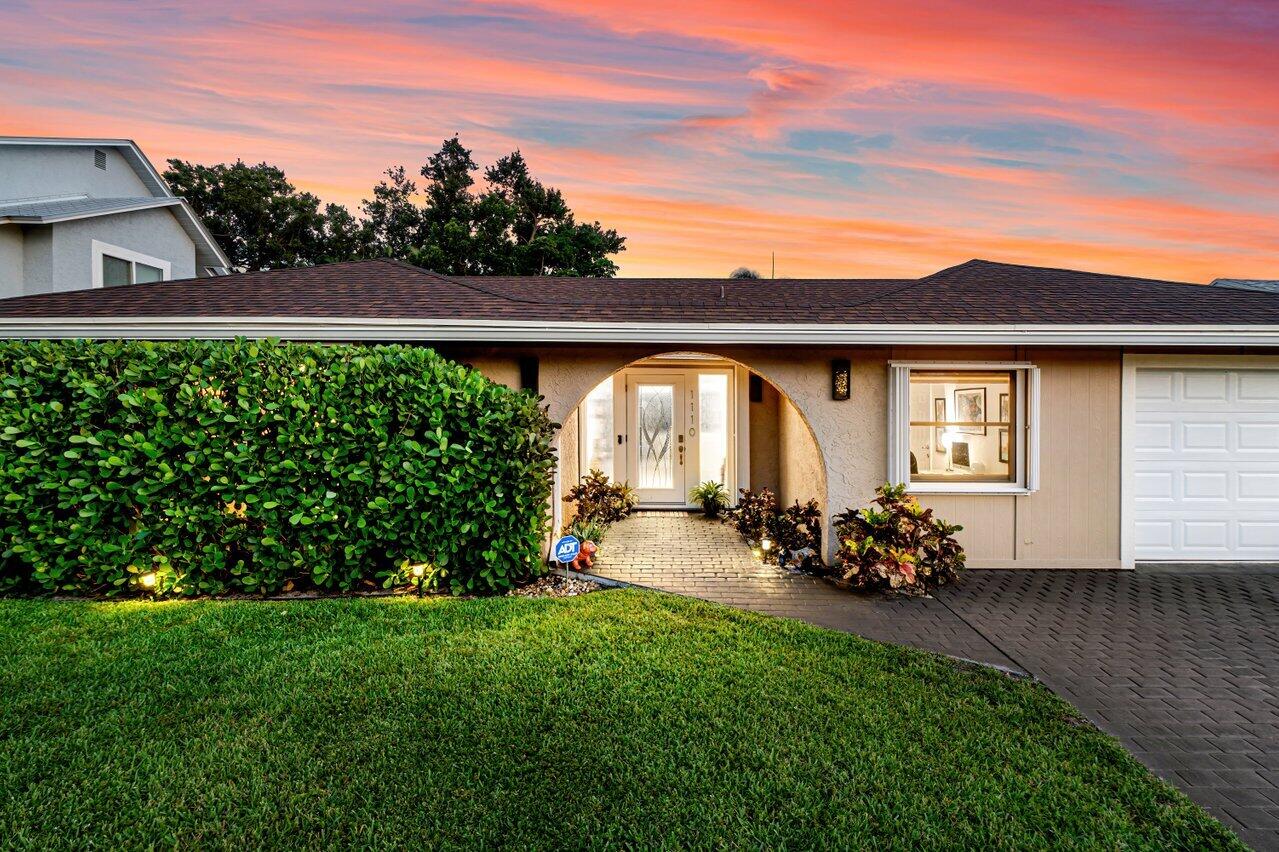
[667, 421]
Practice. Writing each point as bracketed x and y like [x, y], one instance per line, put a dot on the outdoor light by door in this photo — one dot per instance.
[840, 379]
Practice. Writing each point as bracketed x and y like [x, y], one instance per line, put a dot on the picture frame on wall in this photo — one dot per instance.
[970, 407]
[1003, 445]
[939, 416]
[1004, 409]
[959, 455]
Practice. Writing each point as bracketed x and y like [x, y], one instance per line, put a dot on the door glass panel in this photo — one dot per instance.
[598, 425]
[656, 414]
[712, 427]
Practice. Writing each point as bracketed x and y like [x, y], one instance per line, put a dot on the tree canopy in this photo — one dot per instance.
[512, 225]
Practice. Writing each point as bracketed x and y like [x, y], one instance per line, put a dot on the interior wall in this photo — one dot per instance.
[764, 472]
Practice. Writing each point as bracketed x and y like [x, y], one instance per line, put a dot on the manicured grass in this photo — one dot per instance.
[619, 718]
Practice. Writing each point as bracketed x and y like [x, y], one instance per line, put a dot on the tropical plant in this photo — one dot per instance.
[900, 545]
[585, 529]
[207, 467]
[797, 531]
[598, 499]
[712, 497]
[793, 534]
[754, 514]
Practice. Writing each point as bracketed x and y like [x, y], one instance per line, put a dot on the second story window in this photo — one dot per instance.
[114, 266]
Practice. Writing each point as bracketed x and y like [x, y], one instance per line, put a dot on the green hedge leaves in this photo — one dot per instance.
[258, 466]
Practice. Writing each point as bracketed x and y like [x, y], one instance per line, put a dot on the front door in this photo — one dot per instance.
[657, 446]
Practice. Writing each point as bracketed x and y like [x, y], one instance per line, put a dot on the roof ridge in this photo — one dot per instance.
[982, 262]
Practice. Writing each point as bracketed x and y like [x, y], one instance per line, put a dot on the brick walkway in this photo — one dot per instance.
[1182, 667]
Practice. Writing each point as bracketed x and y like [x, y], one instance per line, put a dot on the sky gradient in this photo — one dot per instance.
[851, 138]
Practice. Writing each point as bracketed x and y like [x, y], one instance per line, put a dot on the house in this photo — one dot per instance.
[82, 213]
[1066, 419]
[1265, 285]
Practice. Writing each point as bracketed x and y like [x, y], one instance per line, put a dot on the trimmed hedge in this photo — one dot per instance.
[260, 466]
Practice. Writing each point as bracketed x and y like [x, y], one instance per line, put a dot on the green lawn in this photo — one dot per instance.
[621, 718]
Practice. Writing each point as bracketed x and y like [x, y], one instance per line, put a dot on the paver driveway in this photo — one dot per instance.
[1181, 666]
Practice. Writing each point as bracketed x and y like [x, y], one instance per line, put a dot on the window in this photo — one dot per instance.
[597, 429]
[115, 271]
[114, 266]
[964, 427]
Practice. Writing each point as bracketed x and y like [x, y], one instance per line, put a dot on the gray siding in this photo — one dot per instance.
[37, 258]
[10, 261]
[152, 232]
[40, 171]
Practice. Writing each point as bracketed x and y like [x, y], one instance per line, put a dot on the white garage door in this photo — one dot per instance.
[1206, 465]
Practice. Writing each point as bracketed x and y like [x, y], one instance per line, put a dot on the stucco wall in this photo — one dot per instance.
[35, 171]
[764, 467]
[1072, 521]
[151, 232]
[799, 460]
[10, 261]
[37, 259]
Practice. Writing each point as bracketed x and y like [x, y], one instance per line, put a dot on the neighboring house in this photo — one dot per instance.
[1264, 285]
[1066, 419]
[81, 213]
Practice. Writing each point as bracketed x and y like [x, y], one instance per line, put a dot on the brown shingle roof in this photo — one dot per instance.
[976, 292]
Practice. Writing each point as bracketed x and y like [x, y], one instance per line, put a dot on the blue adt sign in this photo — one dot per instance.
[566, 549]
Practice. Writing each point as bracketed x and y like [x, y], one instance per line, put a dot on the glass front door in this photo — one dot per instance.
[657, 441]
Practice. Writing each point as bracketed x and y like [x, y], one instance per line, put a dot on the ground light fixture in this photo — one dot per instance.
[766, 544]
[418, 570]
[148, 581]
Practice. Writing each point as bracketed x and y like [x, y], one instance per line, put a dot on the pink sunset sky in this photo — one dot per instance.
[851, 138]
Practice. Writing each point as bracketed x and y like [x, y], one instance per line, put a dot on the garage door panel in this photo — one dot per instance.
[1258, 386]
[1205, 454]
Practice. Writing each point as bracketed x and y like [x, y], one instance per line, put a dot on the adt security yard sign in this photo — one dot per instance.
[566, 549]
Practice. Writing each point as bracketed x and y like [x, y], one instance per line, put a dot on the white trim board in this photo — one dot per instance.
[1128, 425]
[682, 334]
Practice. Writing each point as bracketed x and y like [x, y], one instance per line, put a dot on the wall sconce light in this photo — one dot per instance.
[840, 378]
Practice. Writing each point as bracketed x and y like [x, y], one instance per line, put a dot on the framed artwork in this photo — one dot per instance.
[970, 407]
[939, 416]
[959, 454]
[1003, 445]
[1003, 408]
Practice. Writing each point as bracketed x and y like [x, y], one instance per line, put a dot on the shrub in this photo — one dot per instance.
[712, 496]
[898, 546]
[796, 531]
[217, 466]
[585, 530]
[599, 500]
[753, 517]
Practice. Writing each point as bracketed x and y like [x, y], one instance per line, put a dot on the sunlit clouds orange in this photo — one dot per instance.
[848, 138]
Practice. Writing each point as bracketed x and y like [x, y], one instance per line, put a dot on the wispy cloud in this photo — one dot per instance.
[851, 137]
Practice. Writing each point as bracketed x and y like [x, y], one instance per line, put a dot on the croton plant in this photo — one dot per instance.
[896, 544]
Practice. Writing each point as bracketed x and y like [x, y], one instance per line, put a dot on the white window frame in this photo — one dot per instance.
[1026, 421]
[98, 249]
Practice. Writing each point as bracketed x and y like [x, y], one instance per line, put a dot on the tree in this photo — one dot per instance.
[260, 219]
[744, 272]
[392, 221]
[514, 225]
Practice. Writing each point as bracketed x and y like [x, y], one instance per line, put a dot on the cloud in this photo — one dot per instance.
[853, 136]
